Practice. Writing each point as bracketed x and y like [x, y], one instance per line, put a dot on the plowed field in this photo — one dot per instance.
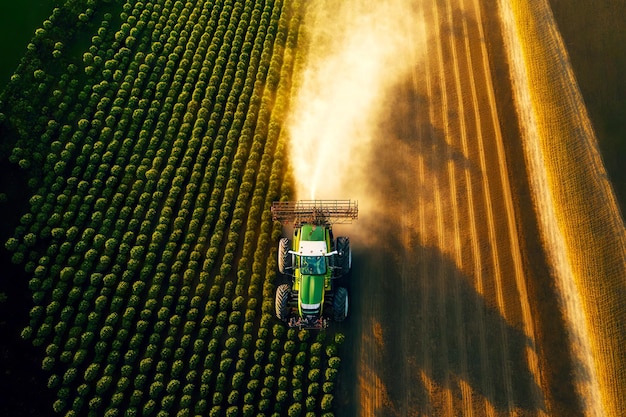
[453, 310]
[443, 307]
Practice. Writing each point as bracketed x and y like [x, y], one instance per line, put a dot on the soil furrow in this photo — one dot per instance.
[441, 113]
[447, 326]
[453, 131]
[515, 251]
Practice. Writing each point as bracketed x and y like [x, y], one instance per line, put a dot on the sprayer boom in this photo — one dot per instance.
[318, 212]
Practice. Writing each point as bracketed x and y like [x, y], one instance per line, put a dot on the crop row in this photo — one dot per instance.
[148, 240]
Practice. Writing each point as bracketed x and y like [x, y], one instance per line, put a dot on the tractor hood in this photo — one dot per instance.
[311, 293]
[312, 232]
[312, 250]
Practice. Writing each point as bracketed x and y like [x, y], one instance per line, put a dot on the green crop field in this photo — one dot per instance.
[149, 137]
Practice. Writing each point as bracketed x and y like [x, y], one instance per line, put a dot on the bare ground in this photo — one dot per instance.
[453, 313]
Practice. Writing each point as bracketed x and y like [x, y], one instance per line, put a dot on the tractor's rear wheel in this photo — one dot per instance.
[340, 304]
[344, 257]
[284, 257]
[283, 293]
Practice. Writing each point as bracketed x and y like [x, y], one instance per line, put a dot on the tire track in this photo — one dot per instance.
[515, 251]
[476, 261]
[497, 278]
[440, 66]
[490, 191]
[475, 247]
[420, 304]
[425, 358]
[465, 401]
[440, 279]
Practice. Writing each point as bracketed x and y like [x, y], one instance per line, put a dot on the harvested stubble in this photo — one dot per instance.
[588, 233]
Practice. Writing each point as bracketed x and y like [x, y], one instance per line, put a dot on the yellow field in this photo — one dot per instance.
[586, 240]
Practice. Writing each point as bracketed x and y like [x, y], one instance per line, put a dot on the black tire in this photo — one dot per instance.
[284, 257]
[283, 293]
[340, 304]
[344, 257]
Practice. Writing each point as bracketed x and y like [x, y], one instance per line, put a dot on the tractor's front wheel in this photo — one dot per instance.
[283, 293]
[340, 304]
[344, 257]
[284, 257]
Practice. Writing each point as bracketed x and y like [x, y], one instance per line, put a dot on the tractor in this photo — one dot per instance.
[313, 262]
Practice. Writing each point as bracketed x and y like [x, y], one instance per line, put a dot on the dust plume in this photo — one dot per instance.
[356, 50]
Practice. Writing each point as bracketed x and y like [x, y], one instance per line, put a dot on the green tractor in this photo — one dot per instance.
[313, 262]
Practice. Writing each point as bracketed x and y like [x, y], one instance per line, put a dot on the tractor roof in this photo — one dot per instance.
[312, 248]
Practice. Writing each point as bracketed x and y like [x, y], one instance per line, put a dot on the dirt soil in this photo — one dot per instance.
[453, 313]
